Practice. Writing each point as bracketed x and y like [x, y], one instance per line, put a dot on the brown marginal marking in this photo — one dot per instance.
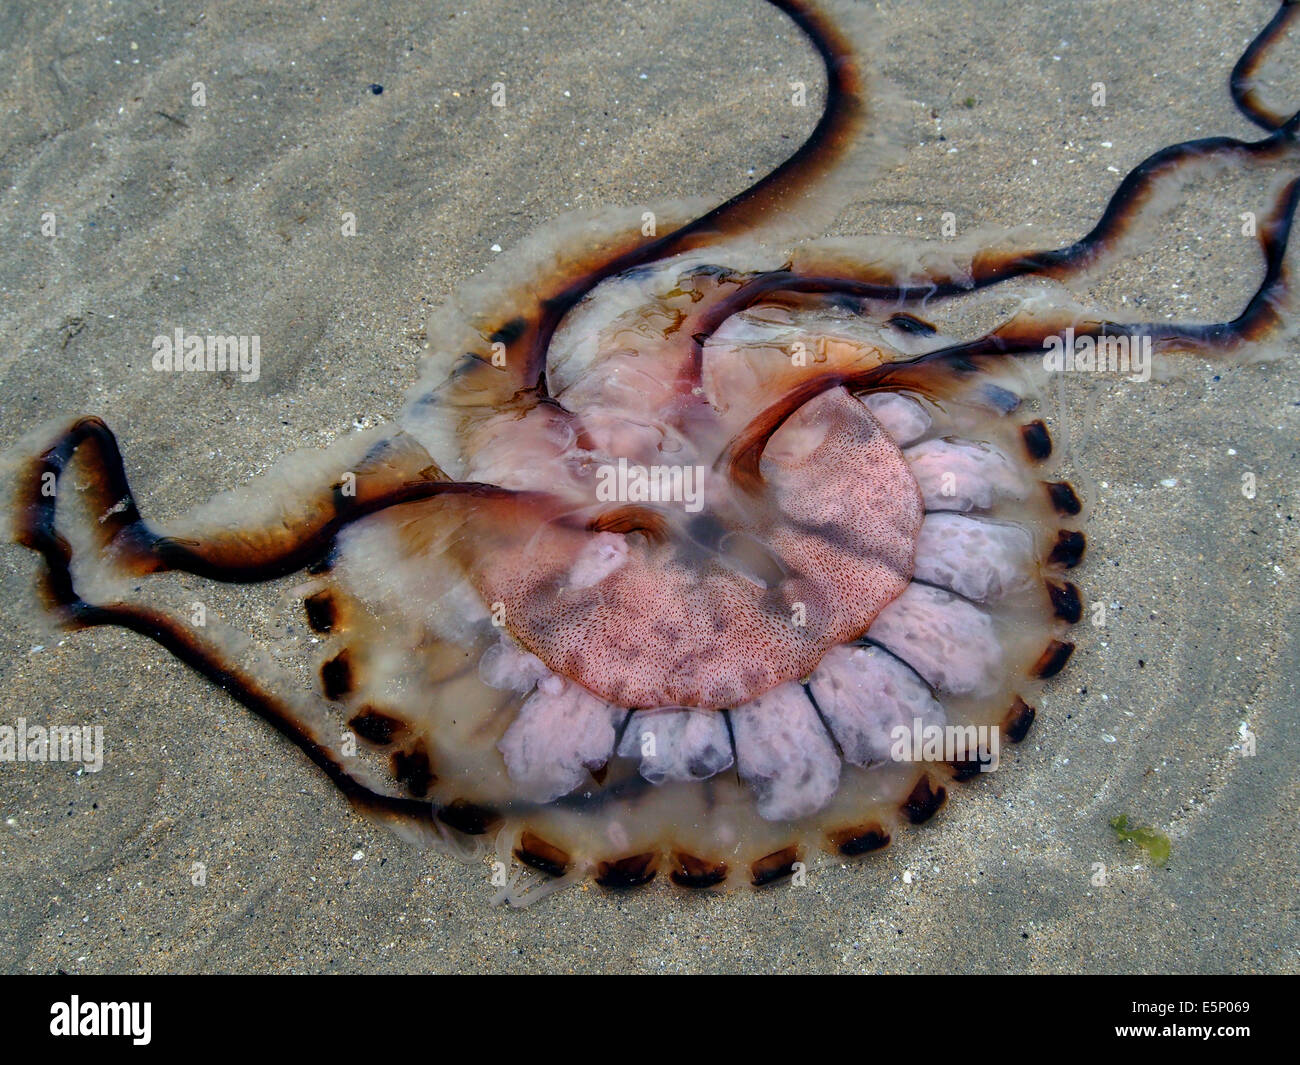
[336, 676]
[925, 800]
[774, 866]
[376, 726]
[630, 872]
[322, 611]
[692, 872]
[1053, 659]
[1068, 549]
[965, 770]
[468, 817]
[1066, 601]
[1038, 441]
[413, 769]
[1016, 724]
[1063, 497]
[544, 857]
[860, 839]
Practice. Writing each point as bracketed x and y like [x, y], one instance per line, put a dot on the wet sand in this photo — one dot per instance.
[226, 218]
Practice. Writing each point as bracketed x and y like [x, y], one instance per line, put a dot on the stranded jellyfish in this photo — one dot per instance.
[697, 549]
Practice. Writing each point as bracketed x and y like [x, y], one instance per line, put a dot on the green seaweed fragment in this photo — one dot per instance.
[1154, 843]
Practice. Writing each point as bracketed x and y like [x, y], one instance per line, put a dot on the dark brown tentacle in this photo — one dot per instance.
[828, 141]
[1028, 335]
[260, 556]
[110, 494]
[1121, 212]
[182, 643]
[1256, 319]
[994, 268]
[39, 534]
[1241, 83]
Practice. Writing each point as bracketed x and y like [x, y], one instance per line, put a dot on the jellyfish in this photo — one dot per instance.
[690, 555]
